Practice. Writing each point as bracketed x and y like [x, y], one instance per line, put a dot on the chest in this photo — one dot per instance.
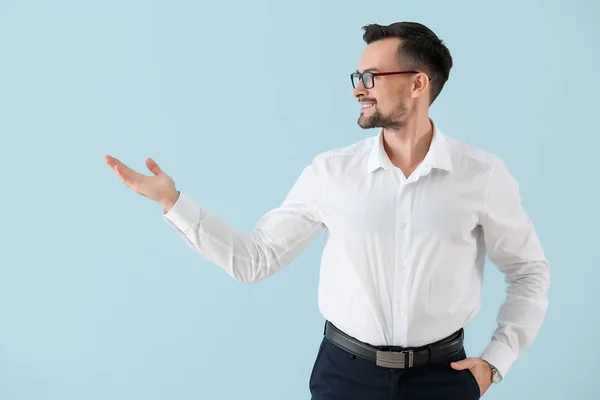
[438, 204]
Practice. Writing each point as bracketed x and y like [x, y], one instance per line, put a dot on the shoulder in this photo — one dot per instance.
[470, 158]
[463, 150]
[353, 150]
[345, 158]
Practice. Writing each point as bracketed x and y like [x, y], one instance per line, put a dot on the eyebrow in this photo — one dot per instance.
[368, 70]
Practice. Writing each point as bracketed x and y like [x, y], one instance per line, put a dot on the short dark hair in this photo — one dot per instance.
[420, 49]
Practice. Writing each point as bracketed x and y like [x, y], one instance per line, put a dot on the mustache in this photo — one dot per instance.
[365, 100]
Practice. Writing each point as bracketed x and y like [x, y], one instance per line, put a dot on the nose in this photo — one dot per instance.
[359, 90]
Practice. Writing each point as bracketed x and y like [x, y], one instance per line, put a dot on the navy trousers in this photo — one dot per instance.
[339, 375]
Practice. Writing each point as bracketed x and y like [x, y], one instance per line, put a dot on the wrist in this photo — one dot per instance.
[495, 375]
[170, 201]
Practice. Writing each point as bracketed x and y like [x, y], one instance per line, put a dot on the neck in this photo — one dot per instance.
[408, 146]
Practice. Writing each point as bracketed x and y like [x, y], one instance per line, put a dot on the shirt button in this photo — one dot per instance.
[403, 225]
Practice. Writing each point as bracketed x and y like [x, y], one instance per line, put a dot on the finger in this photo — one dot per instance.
[112, 161]
[124, 168]
[129, 176]
[153, 166]
[126, 172]
[467, 363]
[125, 178]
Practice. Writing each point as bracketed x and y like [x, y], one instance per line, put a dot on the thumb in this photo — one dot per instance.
[467, 363]
[153, 166]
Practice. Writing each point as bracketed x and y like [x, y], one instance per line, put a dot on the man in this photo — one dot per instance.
[409, 215]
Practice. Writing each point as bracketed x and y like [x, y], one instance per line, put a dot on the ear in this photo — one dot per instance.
[420, 86]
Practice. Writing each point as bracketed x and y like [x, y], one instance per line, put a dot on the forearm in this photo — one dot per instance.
[247, 257]
[520, 316]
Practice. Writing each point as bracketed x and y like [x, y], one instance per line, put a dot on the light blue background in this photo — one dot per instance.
[99, 297]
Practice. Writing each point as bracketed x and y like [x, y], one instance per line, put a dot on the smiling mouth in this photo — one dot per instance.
[366, 106]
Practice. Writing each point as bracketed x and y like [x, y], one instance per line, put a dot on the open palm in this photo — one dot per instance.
[159, 187]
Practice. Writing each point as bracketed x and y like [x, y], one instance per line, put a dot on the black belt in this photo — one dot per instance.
[409, 357]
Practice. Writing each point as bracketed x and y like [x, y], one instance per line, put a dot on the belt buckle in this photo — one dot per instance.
[395, 359]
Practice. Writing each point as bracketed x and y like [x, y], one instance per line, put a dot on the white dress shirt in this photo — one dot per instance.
[403, 257]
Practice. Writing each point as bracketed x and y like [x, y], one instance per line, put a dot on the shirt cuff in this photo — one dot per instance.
[500, 356]
[184, 213]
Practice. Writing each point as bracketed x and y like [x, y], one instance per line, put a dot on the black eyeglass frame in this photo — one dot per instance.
[361, 76]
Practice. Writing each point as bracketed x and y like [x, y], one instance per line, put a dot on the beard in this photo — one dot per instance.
[394, 121]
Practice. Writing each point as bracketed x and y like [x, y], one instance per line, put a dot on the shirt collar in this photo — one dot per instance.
[438, 155]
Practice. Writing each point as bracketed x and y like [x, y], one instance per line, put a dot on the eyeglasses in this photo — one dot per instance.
[368, 78]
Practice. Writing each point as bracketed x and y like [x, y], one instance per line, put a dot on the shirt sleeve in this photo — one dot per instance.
[513, 246]
[277, 239]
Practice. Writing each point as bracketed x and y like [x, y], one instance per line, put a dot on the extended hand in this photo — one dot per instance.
[479, 368]
[160, 187]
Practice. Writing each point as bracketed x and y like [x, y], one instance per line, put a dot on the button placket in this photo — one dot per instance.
[400, 306]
